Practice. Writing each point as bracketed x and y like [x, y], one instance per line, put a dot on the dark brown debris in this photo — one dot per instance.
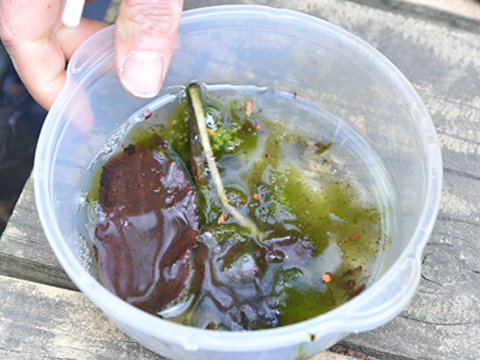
[147, 225]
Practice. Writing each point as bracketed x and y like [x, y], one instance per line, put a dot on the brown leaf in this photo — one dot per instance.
[147, 224]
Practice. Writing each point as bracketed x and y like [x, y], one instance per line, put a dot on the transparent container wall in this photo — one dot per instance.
[186, 352]
[320, 70]
[247, 45]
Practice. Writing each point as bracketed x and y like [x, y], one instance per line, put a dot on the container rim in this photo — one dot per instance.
[336, 320]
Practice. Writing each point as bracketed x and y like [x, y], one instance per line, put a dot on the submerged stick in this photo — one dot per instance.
[217, 180]
[197, 159]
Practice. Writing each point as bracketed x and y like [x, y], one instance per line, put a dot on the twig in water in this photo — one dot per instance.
[217, 180]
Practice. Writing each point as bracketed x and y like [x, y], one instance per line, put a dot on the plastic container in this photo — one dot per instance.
[251, 45]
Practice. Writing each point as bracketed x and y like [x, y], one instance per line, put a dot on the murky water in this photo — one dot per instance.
[317, 191]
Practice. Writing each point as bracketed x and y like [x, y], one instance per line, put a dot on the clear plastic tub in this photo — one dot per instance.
[287, 51]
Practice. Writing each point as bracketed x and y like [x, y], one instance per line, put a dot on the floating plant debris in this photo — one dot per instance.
[322, 147]
[146, 227]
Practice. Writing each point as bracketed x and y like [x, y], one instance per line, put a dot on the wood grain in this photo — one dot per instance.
[24, 250]
[44, 322]
[467, 8]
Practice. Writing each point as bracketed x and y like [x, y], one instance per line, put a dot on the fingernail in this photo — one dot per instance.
[142, 73]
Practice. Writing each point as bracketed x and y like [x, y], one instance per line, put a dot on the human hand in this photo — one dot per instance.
[145, 34]
[40, 45]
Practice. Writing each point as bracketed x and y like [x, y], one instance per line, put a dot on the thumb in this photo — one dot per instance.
[145, 34]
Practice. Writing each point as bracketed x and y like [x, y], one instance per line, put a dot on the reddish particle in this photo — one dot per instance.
[243, 200]
[327, 277]
[146, 113]
[222, 219]
[258, 127]
[355, 237]
[249, 107]
[257, 196]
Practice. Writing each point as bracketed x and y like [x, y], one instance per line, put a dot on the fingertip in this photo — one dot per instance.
[145, 38]
[142, 73]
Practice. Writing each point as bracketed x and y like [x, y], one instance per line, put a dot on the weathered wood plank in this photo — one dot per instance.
[24, 249]
[443, 320]
[439, 14]
[467, 8]
[45, 322]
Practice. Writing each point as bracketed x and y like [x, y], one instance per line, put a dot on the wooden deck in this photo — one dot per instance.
[42, 316]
